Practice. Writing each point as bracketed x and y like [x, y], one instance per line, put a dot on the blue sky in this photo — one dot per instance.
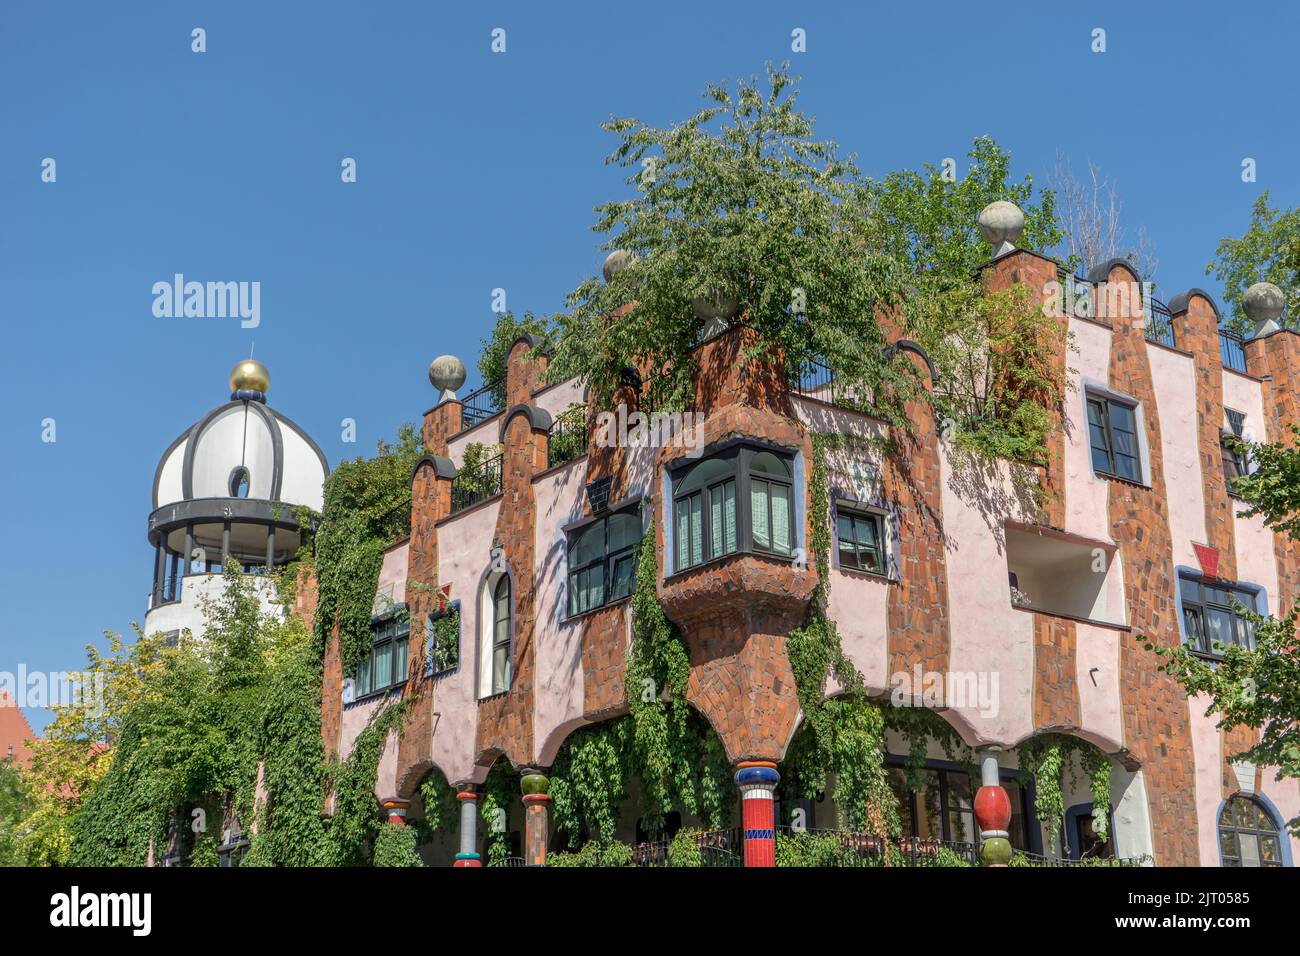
[476, 171]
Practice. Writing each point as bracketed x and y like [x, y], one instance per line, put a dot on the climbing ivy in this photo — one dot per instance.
[440, 804]
[677, 756]
[367, 508]
[843, 735]
[395, 846]
[1047, 758]
[500, 792]
[352, 783]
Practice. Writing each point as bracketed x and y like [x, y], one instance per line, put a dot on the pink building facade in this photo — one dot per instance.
[1032, 620]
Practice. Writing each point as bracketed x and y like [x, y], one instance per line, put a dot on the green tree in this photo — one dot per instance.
[1269, 251]
[15, 805]
[495, 350]
[1259, 687]
[740, 211]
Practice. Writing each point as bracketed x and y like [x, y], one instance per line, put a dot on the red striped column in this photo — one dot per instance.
[396, 810]
[757, 780]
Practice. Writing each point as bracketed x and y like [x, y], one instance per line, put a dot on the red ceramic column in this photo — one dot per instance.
[992, 814]
[757, 780]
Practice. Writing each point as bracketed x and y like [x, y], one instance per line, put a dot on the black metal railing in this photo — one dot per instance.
[396, 522]
[510, 861]
[815, 379]
[1159, 322]
[476, 483]
[567, 438]
[480, 404]
[1231, 351]
[849, 848]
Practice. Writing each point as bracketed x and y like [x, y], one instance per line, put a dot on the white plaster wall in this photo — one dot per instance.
[1099, 693]
[1174, 380]
[1132, 813]
[463, 558]
[988, 636]
[557, 702]
[188, 612]
[1086, 495]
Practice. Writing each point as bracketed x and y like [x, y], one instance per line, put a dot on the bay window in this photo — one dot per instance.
[741, 499]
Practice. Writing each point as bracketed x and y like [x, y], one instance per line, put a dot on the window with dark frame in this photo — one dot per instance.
[944, 809]
[385, 666]
[860, 537]
[708, 524]
[1234, 461]
[1247, 834]
[1112, 435]
[501, 663]
[602, 560]
[1214, 614]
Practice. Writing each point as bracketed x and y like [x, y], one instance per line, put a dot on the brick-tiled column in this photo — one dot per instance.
[1154, 707]
[468, 855]
[537, 816]
[1276, 359]
[757, 780]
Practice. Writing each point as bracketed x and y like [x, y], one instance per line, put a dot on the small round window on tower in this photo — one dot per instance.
[239, 482]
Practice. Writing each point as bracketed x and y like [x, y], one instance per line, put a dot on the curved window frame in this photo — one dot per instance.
[727, 499]
[1277, 833]
[233, 483]
[502, 626]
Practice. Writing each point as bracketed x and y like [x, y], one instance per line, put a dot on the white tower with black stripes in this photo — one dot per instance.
[228, 491]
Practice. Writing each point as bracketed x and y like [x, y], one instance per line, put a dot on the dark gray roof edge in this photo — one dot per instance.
[1180, 302]
[539, 418]
[442, 467]
[1101, 271]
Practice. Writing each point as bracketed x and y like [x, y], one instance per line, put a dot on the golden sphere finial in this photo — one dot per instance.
[249, 375]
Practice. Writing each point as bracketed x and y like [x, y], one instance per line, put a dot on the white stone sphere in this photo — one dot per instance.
[447, 373]
[617, 261]
[1001, 222]
[1263, 302]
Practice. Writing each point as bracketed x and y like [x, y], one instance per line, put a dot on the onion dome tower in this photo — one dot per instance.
[228, 491]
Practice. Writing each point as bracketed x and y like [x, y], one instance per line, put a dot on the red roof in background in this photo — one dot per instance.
[15, 731]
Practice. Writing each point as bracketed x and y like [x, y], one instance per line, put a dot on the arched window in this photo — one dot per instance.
[239, 482]
[495, 676]
[1248, 836]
